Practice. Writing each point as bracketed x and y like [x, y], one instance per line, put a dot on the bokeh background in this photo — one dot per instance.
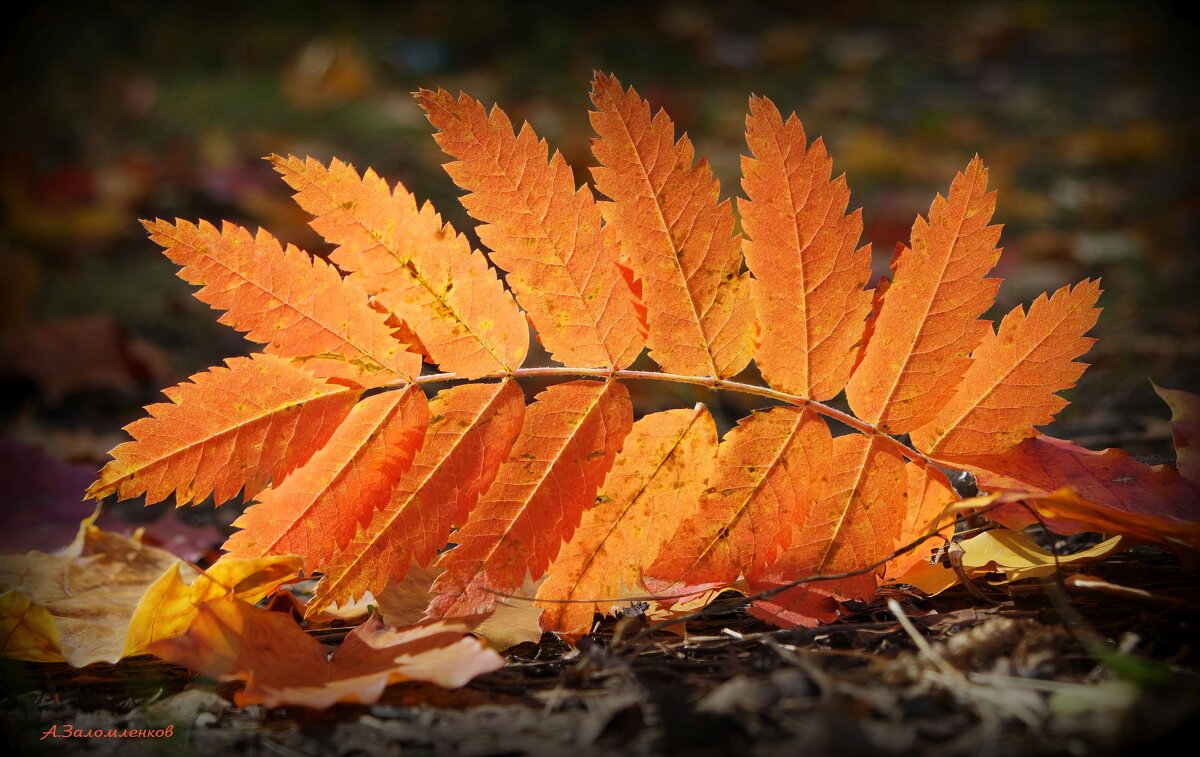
[1086, 114]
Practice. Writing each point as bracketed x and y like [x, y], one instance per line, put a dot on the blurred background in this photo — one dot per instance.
[1085, 113]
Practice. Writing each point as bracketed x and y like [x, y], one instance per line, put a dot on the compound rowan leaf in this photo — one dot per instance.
[28, 630]
[415, 265]
[542, 230]
[282, 665]
[498, 489]
[568, 442]
[471, 431]
[1014, 374]
[242, 425]
[809, 278]
[854, 522]
[928, 323]
[318, 509]
[297, 305]
[679, 238]
[654, 484]
[770, 468]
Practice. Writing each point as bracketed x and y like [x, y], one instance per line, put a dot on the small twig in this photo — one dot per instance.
[740, 601]
[923, 645]
[708, 382]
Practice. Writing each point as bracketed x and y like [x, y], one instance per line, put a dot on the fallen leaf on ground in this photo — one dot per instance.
[511, 622]
[282, 665]
[805, 606]
[85, 595]
[1064, 511]
[170, 604]
[1013, 553]
[82, 353]
[1185, 430]
[105, 596]
[1077, 489]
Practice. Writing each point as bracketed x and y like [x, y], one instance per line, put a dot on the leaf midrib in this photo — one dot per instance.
[561, 262]
[929, 303]
[632, 501]
[665, 228]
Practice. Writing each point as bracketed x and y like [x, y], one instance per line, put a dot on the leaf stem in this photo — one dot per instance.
[708, 382]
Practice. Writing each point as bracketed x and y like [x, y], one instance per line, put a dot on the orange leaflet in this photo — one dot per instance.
[415, 265]
[571, 434]
[1109, 479]
[542, 230]
[927, 324]
[1014, 374]
[655, 483]
[471, 430]
[246, 424]
[769, 470]
[805, 606]
[667, 217]
[929, 494]
[317, 509]
[296, 304]
[282, 665]
[853, 523]
[1185, 425]
[809, 277]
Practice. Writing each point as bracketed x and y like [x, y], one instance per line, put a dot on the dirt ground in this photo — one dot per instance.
[1010, 676]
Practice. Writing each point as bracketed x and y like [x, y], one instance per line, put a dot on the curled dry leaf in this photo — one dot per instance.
[282, 665]
[106, 596]
[1013, 553]
[1185, 425]
[512, 620]
[1064, 511]
[1109, 490]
